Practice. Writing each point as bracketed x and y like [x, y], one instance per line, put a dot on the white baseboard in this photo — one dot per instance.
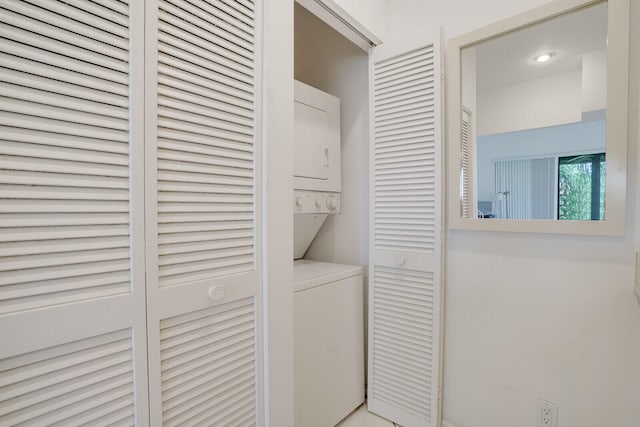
[446, 423]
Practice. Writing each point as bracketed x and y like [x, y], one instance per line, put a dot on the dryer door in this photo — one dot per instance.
[311, 149]
[316, 140]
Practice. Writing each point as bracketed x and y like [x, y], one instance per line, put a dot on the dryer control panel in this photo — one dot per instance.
[305, 201]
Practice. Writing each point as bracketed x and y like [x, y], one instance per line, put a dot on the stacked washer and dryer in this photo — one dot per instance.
[328, 297]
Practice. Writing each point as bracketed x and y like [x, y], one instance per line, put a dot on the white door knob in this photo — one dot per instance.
[216, 293]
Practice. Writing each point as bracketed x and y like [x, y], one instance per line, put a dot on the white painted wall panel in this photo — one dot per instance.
[594, 81]
[550, 101]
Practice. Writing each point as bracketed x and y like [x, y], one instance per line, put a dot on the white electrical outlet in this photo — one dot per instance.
[547, 414]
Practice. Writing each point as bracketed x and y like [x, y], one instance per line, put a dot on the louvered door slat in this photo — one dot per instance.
[233, 122]
[56, 76]
[226, 73]
[60, 113]
[203, 144]
[393, 160]
[416, 340]
[222, 128]
[205, 40]
[465, 165]
[221, 361]
[210, 12]
[21, 236]
[246, 7]
[171, 14]
[96, 9]
[238, 115]
[54, 385]
[71, 303]
[187, 72]
[100, 22]
[55, 87]
[22, 93]
[209, 54]
[26, 248]
[119, 6]
[62, 47]
[32, 167]
[221, 165]
[110, 282]
[37, 124]
[67, 63]
[405, 238]
[62, 180]
[36, 12]
[196, 187]
[43, 138]
[70, 40]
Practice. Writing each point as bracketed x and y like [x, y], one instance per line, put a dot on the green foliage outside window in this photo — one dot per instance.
[579, 197]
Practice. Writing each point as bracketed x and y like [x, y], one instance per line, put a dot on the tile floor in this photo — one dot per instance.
[363, 418]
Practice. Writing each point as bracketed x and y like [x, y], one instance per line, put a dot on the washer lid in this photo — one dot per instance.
[309, 274]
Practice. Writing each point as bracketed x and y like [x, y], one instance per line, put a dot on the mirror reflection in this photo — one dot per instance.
[534, 121]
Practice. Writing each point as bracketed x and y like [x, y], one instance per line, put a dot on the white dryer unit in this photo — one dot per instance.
[328, 342]
[317, 174]
[316, 165]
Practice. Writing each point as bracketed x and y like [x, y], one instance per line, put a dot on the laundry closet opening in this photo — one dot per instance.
[328, 61]
[331, 221]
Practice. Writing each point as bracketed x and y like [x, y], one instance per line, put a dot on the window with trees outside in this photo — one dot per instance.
[581, 187]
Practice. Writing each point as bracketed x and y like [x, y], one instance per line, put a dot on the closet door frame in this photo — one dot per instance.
[277, 158]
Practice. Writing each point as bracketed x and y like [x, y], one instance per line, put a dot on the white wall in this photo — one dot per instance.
[549, 101]
[537, 316]
[326, 60]
[372, 14]
[594, 80]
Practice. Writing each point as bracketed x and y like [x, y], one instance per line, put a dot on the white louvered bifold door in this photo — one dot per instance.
[466, 192]
[406, 247]
[72, 299]
[203, 199]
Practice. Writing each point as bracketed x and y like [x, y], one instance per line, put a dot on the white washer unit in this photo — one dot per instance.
[328, 342]
[328, 298]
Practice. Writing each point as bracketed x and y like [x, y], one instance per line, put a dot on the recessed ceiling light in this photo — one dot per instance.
[542, 57]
